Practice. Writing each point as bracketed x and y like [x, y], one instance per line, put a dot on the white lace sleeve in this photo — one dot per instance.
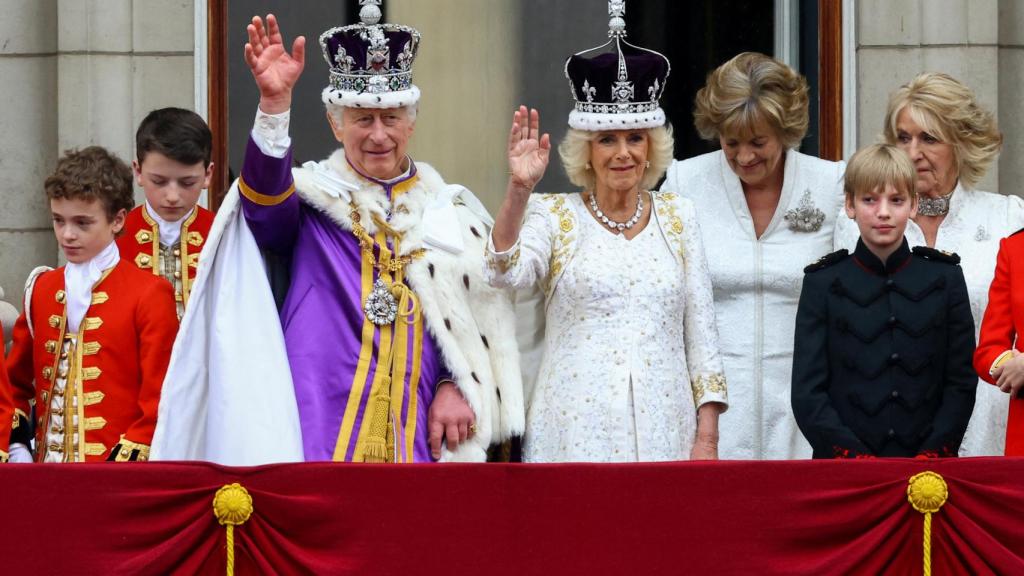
[526, 262]
[701, 331]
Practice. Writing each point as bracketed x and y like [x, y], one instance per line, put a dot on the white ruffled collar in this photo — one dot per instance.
[79, 280]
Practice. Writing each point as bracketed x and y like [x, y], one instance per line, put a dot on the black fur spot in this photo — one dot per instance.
[498, 391]
[484, 338]
[465, 280]
[448, 324]
[430, 268]
[475, 379]
[475, 232]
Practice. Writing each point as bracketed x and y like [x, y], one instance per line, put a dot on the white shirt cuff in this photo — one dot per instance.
[270, 133]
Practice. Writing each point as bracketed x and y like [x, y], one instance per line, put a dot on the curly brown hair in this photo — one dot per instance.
[92, 173]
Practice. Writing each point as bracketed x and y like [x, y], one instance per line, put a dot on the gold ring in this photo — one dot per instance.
[472, 428]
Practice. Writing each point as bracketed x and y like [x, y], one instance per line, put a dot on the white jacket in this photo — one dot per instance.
[757, 285]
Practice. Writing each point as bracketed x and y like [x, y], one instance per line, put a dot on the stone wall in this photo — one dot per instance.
[76, 73]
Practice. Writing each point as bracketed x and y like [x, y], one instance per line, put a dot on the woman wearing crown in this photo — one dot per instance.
[630, 368]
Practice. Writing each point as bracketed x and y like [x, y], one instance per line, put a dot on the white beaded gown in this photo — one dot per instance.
[630, 349]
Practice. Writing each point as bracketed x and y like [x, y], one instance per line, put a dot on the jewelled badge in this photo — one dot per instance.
[805, 217]
[380, 307]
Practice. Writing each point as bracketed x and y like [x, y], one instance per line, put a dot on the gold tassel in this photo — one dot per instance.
[927, 492]
[376, 450]
[232, 505]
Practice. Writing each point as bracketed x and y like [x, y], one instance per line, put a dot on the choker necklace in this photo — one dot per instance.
[619, 226]
[933, 206]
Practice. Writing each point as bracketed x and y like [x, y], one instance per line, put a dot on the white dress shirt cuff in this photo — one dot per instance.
[270, 133]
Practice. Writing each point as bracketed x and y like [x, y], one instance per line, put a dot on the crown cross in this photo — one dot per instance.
[617, 18]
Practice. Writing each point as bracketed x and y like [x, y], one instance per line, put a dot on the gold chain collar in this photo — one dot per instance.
[366, 243]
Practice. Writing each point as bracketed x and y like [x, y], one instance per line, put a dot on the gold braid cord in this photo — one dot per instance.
[927, 492]
[232, 505]
[380, 441]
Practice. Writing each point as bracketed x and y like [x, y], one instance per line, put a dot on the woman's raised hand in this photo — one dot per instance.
[273, 68]
[528, 150]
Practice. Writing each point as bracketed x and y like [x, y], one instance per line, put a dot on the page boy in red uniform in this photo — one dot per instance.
[164, 236]
[92, 344]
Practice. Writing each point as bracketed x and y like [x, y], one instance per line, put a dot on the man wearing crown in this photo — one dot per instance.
[394, 341]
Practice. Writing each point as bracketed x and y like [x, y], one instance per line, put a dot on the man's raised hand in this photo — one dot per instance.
[273, 68]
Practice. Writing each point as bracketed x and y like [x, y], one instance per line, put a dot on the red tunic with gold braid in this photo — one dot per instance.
[140, 243]
[95, 392]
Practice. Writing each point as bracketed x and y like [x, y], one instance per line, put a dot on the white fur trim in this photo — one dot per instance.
[596, 122]
[399, 99]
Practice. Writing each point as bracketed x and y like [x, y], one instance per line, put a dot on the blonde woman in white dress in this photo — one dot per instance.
[952, 142]
[629, 367]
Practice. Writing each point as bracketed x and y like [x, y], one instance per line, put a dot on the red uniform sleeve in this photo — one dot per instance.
[156, 325]
[20, 367]
[997, 331]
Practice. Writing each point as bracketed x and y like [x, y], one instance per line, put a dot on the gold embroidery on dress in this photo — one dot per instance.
[672, 224]
[560, 248]
[708, 384]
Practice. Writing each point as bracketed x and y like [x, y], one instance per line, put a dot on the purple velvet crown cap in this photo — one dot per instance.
[647, 70]
[617, 86]
[371, 63]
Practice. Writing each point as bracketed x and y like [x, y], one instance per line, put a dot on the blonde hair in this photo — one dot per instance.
[575, 153]
[749, 89]
[876, 167]
[948, 110]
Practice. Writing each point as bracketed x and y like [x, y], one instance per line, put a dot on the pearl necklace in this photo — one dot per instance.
[619, 226]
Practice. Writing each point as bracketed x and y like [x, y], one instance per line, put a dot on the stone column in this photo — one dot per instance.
[898, 39]
[28, 120]
[119, 59]
[1011, 90]
[467, 69]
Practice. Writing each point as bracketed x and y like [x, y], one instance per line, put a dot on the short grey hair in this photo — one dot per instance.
[575, 153]
[337, 112]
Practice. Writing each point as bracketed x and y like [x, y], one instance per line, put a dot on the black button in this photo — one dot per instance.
[892, 433]
[895, 393]
[892, 320]
[894, 358]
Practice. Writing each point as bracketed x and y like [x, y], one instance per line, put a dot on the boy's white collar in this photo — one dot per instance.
[170, 232]
[79, 279]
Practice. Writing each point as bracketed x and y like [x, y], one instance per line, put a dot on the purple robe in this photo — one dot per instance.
[332, 347]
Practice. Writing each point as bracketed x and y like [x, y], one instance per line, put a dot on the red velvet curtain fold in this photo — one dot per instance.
[808, 517]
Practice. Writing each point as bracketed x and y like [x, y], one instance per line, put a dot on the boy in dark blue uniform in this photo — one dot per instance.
[884, 337]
